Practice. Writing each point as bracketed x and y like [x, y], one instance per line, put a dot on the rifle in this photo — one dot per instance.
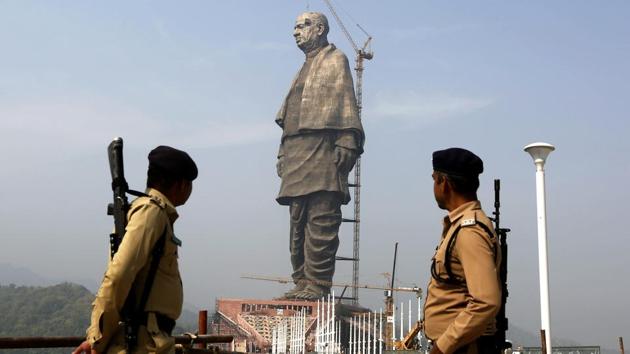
[119, 209]
[501, 320]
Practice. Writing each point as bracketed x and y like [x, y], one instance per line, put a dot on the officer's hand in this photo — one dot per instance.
[280, 166]
[345, 159]
[435, 349]
[84, 347]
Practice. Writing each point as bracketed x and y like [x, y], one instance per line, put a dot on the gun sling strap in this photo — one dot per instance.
[156, 255]
[133, 317]
[451, 278]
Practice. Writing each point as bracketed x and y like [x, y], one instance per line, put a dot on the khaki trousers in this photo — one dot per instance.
[151, 340]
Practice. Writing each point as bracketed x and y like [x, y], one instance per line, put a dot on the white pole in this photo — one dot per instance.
[380, 332]
[539, 152]
[402, 316]
[304, 336]
[362, 333]
[338, 344]
[333, 336]
[409, 321]
[356, 334]
[374, 334]
[419, 309]
[357, 337]
[339, 336]
[350, 342]
[317, 329]
[419, 318]
[293, 335]
[304, 322]
[394, 325]
[369, 330]
[327, 340]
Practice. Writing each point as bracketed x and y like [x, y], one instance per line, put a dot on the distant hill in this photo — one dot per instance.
[521, 337]
[58, 310]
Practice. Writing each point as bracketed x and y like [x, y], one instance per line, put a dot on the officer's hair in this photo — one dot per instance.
[319, 18]
[462, 184]
[160, 179]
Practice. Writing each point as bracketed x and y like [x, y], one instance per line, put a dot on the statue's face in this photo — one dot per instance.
[307, 32]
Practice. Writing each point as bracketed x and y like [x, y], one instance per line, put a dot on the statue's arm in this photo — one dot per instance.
[346, 151]
[280, 162]
[347, 139]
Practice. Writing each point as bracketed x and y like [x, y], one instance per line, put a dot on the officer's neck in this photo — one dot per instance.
[175, 193]
[456, 200]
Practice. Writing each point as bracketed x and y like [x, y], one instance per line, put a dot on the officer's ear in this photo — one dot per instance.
[448, 184]
[438, 177]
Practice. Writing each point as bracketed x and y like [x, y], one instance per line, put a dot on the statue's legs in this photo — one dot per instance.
[297, 213]
[321, 231]
[314, 240]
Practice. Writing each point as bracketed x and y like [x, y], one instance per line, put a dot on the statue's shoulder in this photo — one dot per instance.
[335, 53]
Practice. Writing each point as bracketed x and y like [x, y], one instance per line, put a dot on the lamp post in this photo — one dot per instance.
[539, 152]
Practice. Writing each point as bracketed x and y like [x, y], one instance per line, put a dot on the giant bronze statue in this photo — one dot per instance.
[322, 138]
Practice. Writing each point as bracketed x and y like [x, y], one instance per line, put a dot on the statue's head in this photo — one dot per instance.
[311, 31]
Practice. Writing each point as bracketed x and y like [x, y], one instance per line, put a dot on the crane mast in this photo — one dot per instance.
[361, 54]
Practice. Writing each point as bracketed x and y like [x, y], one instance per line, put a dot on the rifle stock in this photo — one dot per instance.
[501, 319]
[118, 209]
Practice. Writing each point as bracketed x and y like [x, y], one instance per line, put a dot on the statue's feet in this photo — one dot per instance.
[299, 287]
[312, 293]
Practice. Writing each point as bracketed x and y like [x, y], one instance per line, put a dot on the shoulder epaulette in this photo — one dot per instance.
[468, 219]
[159, 202]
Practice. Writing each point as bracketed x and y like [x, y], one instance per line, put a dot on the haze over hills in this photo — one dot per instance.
[21, 276]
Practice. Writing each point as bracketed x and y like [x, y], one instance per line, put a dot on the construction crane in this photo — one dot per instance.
[284, 280]
[409, 341]
[362, 53]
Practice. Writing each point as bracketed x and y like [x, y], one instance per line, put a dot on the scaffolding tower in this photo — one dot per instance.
[362, 54]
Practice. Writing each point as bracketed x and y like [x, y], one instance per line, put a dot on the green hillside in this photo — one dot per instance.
[59, 310]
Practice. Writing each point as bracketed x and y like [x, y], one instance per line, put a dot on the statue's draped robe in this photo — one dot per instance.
[318, 114]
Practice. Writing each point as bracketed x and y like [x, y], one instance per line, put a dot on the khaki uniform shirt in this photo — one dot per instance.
[457, 314]
[149, 218]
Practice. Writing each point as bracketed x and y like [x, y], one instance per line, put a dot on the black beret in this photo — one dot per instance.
[173, 162]
[457, 162]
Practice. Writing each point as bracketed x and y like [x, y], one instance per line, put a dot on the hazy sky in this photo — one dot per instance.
[209, 76]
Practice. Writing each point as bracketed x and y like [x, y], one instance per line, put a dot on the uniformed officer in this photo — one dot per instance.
[464, 294]
[169, 184]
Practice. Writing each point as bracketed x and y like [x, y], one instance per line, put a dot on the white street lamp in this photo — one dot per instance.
[539, 152]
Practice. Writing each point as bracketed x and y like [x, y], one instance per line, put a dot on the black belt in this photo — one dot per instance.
[164, 323]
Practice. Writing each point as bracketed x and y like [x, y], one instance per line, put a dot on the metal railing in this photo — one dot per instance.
[184, 342]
